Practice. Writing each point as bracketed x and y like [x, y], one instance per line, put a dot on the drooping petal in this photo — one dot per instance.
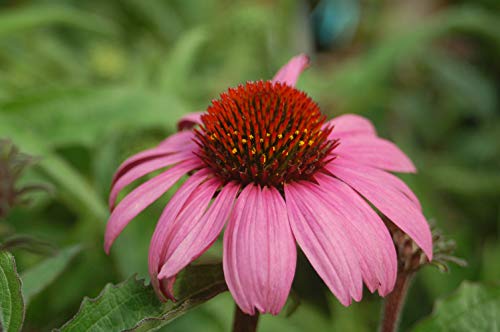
[389, 200]
[189, 120]
[139, 170]
[166, 223]
[350, 125]
[375, 152]
[194, 236]
[176, 143]
[381, 176]
[259, 251]
[290, 72]
[320, 233]
[142, 196]
[371, 237]
[193, 209]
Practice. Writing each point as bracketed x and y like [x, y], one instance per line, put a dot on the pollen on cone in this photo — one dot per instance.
[257, 133]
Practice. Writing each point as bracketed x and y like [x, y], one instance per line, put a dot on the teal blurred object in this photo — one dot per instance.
[335, 22]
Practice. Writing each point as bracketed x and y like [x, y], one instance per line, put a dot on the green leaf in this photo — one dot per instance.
[117, 308]
[76, 191]
[464, 83]
[15, 20]
[474, 307]
[178, 67]
[11, 297]
[40, 276]
[157, 16]
[28, 243]
[84, 115]
[81, 116]
[132, 305]
[472, 183]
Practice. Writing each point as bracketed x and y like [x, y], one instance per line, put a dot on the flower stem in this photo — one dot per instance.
[394, 302]
[243, 322]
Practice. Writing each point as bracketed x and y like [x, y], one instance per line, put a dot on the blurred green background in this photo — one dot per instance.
[84, 84]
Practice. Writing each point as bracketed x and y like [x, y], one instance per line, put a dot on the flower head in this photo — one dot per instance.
[264, 162]
[285, 142]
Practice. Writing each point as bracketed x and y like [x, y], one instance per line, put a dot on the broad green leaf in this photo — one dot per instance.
[474, 307]
[117, 308]
[196, 285]
[11, 297]
[132, 305]
[15, 20]
[40, 276]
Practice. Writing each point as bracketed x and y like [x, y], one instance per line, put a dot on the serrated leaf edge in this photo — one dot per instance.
[20, 293]
[88, 300]
[220, 287]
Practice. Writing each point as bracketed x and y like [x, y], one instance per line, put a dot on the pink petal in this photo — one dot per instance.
[139, 170]
[190, 120]
[259, 251]
[289, 73]
[321, 234]
[179, 141]
[194, 236]
[388, 199]
[369, 233]
[375, 152]
[349, 125]
[142, 197]
[166, 223]
[193, 209]
[176, 143]
[383, 177]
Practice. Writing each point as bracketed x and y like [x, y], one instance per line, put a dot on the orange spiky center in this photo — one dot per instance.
[266, 133]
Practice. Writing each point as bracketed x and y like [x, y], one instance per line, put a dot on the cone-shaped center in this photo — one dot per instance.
[264, 132]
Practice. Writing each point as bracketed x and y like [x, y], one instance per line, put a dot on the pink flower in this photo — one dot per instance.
[263, 160]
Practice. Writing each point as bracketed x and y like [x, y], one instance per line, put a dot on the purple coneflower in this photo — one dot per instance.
[264, 159]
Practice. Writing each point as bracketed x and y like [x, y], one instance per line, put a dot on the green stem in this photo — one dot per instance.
[243, 322]
[394, 302]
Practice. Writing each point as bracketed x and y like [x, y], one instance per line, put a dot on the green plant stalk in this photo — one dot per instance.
[243, 322]
[394, 302]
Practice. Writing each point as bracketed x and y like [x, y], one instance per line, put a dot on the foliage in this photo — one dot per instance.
[133, 306]
[474, 307]
[11, 301]
[38, 277]
[84, 84]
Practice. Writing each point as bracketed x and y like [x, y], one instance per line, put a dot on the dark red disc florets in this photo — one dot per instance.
[264, 132]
